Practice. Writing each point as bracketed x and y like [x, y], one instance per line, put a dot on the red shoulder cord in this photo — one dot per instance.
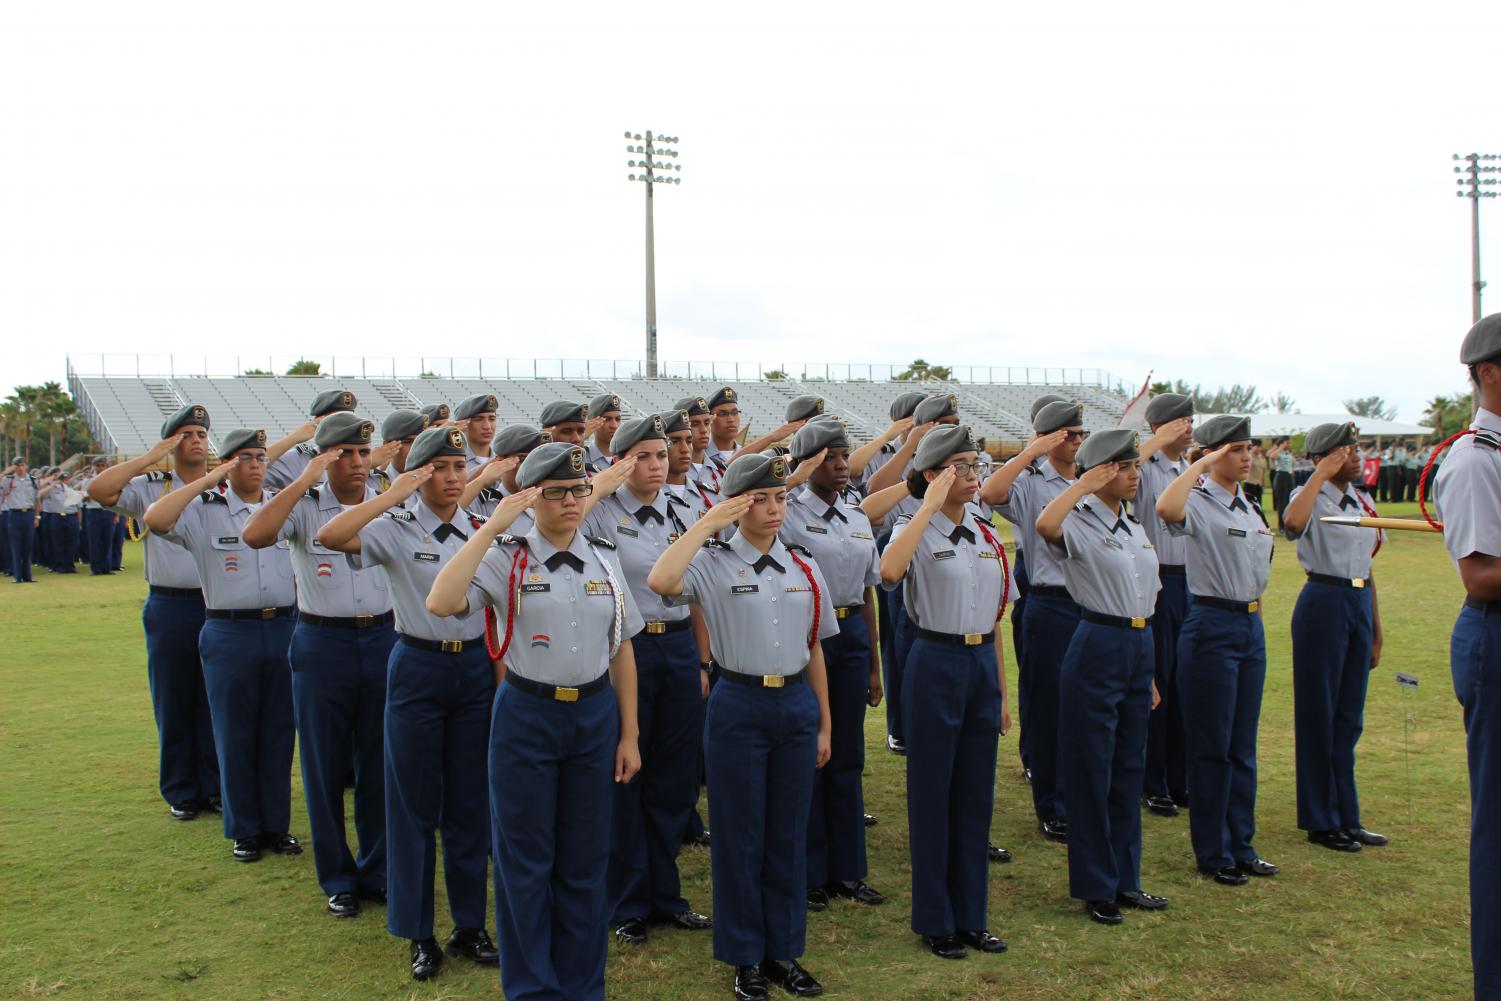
[1370, 510]
[817, 597]
[1428, 469]
[1000, 552]
[495, 652]
[518, 567]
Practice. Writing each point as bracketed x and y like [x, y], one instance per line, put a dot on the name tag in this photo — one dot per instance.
[1114, 544]
[229, 540]
[621, 529]
[861, 535]
[597, 587]
[745, 588]
[818, 530]
[944, 554]
[426, 557]
[1237, 533]
[535, 588]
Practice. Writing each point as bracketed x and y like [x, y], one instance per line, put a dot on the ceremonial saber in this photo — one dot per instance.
[1399, 524]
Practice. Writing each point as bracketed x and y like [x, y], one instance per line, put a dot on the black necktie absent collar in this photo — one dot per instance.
[444, 530]
[1348, 502]
[962, 532]
[564, 557]
[767, 561]
[646, 512]
[834, 512]
[1237, 504]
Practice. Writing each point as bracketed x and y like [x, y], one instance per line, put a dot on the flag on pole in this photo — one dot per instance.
[1136, 411]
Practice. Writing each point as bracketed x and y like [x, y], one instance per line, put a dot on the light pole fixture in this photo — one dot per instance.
[1479, 177]
[655, 162]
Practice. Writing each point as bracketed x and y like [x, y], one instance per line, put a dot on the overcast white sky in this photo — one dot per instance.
[1216, 192]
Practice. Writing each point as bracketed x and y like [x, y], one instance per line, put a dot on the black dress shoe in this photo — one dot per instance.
[1258, 867]
[997, 854]
[793, 979]
[1163, 806]
[186, 810]
[896, 745]
[946, 946]
[1141, 901]
[344, 905]
[214, 804]
[1228, 876]
[1362, 836]
[1334, 839]
[1181, 798]
[374, 894]
[750, 984]
[870, 820]
[247, 849]
[473, 944]
[1054, 830]
[818, 899]
[426, 958]
[689, 920]
[1104, 912]
[699, 840]
[1027, 775]
[281, 844]
[857, 890]
[631, 931]
[982, 940]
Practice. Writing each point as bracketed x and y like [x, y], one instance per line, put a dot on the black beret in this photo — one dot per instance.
[903, 406]
[435, 412]
[334, 401]
[192, 414]
[343, 428]
[556, 460]
[1112, 445]
[725, 394]
[635, 431]
[1327, 437]
[1041, 402]
[674, 421]
[435, 443]
[804, 408]
[935, 408]
[517, 439]
[1057, 415]
[942, 442]
[757, 471]
[403, 424]
[1166, 407]
[815, 436]
[563, 412]
[696, 406]
[605, 403]
[1220, 430]
[484, 403]
[242, 438]
[1483, 342]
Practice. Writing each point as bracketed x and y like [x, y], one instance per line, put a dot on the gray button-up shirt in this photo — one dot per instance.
[953, 584]
[596, 458]
[1336, 550]
[640, 533]
[168, 564]
[1108, 561]
[1156, 473]
[55, 501]
[566, 606]
[281, 473]
[1468, 492]
[234, 575]
[759, 620]
[18, 493]
[1229, 547]
[406, 545]
[326, 582]
[473, 462]
[840, 538]
[1036, 488]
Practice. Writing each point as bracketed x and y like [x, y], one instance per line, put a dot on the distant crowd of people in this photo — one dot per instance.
[47, 520]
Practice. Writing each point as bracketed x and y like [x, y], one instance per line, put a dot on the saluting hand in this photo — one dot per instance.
[407, 483]
[382, 454]
[610, 479]
[805, 468]
[496, 468]
[160, 450]
[1169, 433]
[897, 429]
[1044, 443]
[918, 430]
[318, 465]
[223, 469]
[726, 513]
[1206, 460]
[1098, 477]
[509, 509]
[591, 425]
[1330, 465]
[938, 491]
[305, 431]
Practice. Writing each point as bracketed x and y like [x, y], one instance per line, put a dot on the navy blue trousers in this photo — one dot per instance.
[652, 811]
[20, 538]
[1019, 647]
[189, 766]
[1332, 634]
[1049, 627]
[836, 820]
[1105, 698]
[954, 717]
[62, 542]
[760, 750]
[1167, 772]
[1475, 662]
[43, 554]
[249, 685]
[437, 732]
[552, 768]
[339, 695]
[99, 527]
[117, 545]
[1222, 655]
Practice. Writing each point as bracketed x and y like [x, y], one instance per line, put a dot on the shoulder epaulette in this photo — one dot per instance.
[675, 499]
[1132, 517]
[402, 515]
[210, 497]
[509, 540]
[602, 543]
[307, 450]
[312, 492]
[1203, 490]
[1034, 470]
[158, 476]
[888, 448]
[715, 544]
[795, 548]
[1488, 439]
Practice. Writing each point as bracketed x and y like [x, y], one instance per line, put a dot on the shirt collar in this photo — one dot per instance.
[328, 501]
[429, 520]
[238, 504]
[1049, 473]
[750, 554]
[542, 550]
[632, 505]
[1218, 492]
[815, 503]
[1487, 421]
[1334, 493]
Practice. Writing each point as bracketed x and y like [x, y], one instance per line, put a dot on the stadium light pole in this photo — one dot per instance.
[658, 165]
[1474, 186]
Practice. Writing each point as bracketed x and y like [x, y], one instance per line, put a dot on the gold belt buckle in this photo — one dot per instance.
[973, 639]
[1138, 622]
[268, 613]
[451, 646]
[656, 628]
[772, 681]
[562, 694]
[1254, 606]
[1357, 582]
[841, 613]
[361, 621]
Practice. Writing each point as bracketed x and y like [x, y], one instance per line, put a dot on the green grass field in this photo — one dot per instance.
[104, 896]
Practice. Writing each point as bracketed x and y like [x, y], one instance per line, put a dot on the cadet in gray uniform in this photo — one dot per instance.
[249, 607]
[768, 727]
[401, 428]
[901, 422]
[683, 484]
[496, 480]
[1222, 649]
[1106, 679]
[18, 502]
[565, 422]
[557, 737]
[476, 418]
[292, 453]
[700, 423]
[604, 415]
[437, 414]
[1336, 630]
[439, 683]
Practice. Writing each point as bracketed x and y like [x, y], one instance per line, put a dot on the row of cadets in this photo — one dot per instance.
[338, 654]
[397, 433]
[955, 581]
[249, 609]
[767, 726]
[188, 775]
[496, 480]
[683, 482]
[604, 418]
[475, 417]
[291, 454]
[439, 685]
[702, 475]
[565, 422]
[1105, 682]
[1020, 490]
[558, 740]
[821, 520]
[1222, 648]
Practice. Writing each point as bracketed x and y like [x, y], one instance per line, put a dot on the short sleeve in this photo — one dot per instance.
[132, 499]
[1073, 540]
[828, 622]
[1190, 524]
[695, 582]
[896, 531]
[1468, 505]
[873, 572]
[377, 542]
[1313, 517]
[492, 581]
[188, 531]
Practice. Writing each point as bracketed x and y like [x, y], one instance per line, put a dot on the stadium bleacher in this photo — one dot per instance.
[125, 413]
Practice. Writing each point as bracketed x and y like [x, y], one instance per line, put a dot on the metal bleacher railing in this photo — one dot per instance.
[123, 398]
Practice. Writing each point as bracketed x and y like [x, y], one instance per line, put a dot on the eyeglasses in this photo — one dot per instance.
[965, 468]
[1075, 435]
[727, 413]
[557, 493]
